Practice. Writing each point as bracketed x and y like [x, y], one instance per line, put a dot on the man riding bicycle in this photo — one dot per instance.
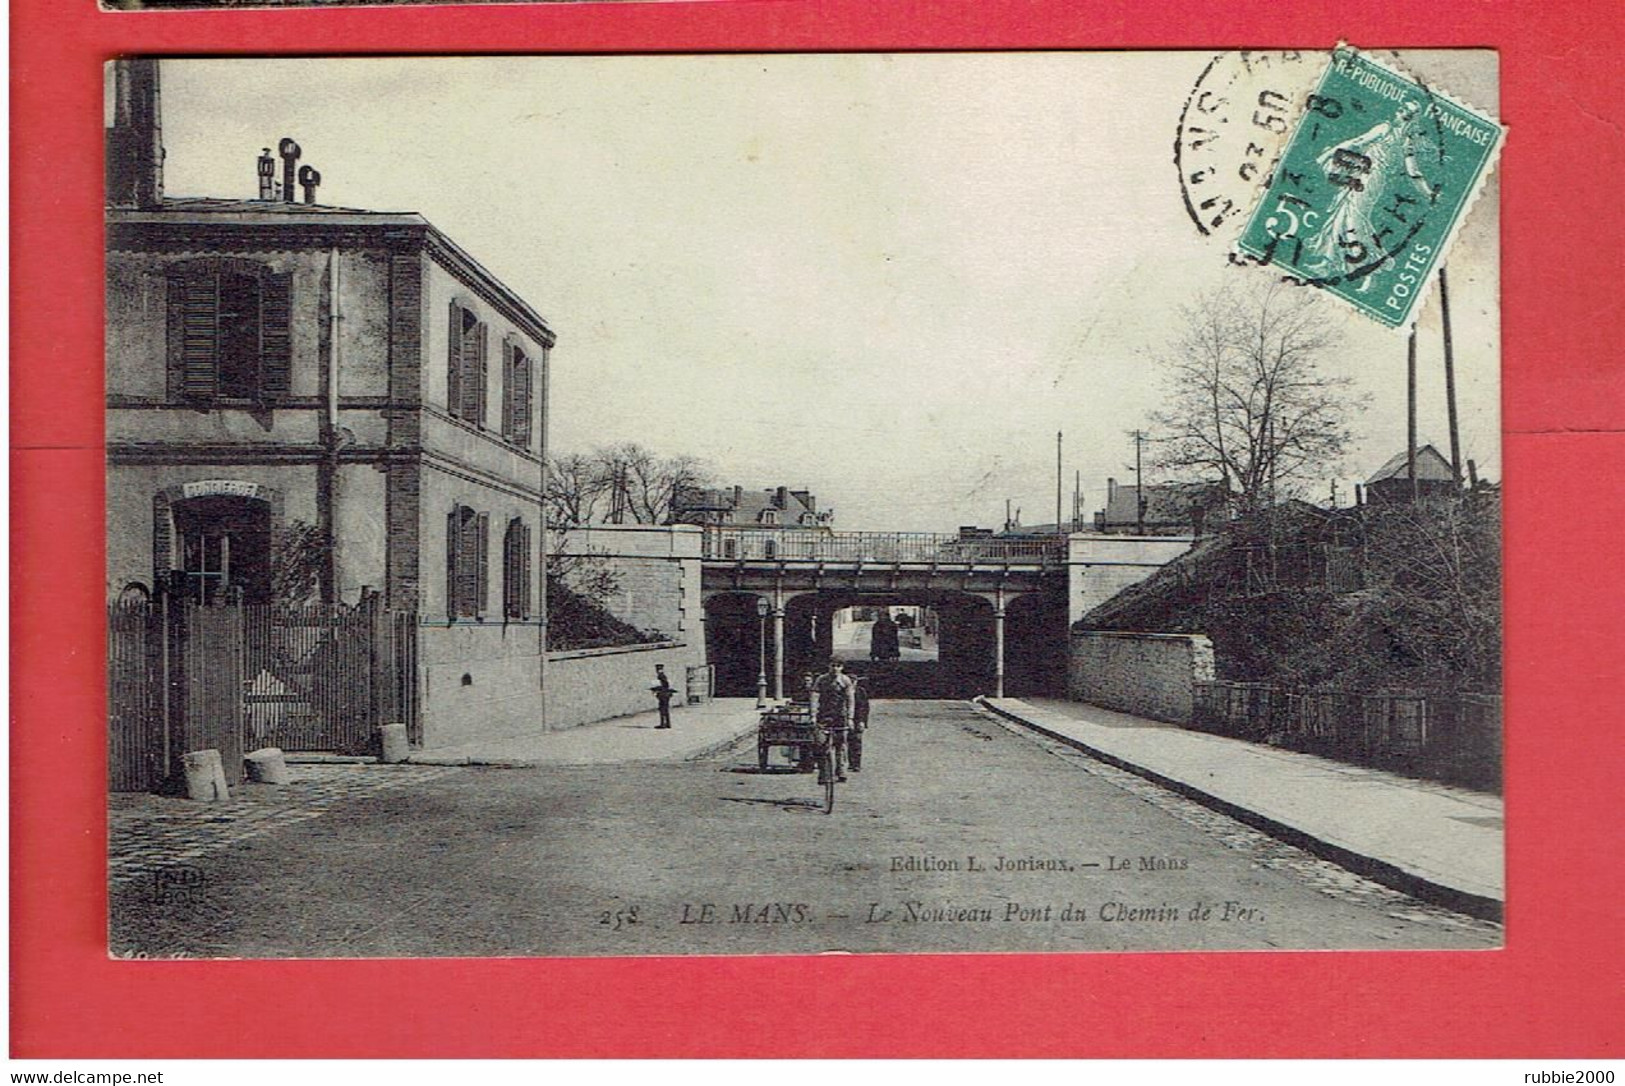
[834, 703]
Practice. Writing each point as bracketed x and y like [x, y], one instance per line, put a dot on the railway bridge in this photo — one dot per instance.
[771, 598]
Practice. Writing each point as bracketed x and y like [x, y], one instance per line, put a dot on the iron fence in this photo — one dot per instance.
[1455, 737]
[137, 742]
[231, 677]
[325, 678]
[751, 544]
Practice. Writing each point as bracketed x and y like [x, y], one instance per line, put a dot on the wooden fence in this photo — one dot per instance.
[1453, 737]
[186, 676]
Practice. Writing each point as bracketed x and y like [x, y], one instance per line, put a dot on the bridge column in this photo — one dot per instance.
[778, 646]
[998, 643]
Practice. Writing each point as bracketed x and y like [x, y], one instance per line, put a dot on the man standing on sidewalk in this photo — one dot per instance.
[663, 692]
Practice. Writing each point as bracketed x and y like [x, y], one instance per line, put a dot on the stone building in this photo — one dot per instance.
[1168, 509]
[742, 523]
[292, 385]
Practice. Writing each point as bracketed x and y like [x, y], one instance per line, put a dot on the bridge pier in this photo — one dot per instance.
[778, 647]
[998, 643]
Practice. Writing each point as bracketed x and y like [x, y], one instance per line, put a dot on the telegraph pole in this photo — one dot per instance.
[1057, 482]
[1410, 425]
[1450, 376]
[1139, 486]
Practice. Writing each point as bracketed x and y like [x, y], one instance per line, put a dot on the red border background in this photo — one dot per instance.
[1558, 987]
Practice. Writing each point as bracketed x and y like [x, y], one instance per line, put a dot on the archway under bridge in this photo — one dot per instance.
[986, 642]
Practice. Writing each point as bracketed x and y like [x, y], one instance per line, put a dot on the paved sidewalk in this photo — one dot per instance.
[1430, 839]
[696, 731]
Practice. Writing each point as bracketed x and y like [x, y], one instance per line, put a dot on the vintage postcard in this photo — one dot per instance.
[787, 504]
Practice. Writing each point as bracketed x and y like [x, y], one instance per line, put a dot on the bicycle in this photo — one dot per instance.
[829, 762]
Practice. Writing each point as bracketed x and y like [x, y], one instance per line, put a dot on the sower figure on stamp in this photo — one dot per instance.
[860, 722]
[834, 700]
[663, 692]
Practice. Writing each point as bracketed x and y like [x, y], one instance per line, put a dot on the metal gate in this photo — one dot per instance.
[186, 676]
[321, 677]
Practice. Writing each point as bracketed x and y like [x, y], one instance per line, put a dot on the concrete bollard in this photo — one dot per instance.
[205, 776]
[392, 746]
[267, 765]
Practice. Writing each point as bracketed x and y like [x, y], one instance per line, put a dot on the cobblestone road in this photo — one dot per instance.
[962, 834]
[147, 833]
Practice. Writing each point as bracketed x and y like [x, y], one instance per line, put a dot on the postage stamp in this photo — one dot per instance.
[1232, 129]
[1372, 186]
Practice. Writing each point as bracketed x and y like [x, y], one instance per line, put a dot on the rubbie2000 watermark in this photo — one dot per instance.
[1373, 184]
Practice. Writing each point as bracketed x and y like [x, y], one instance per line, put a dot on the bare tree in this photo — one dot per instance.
[1433, 569]
[643, 487]
[1247, 403]
[576, 490]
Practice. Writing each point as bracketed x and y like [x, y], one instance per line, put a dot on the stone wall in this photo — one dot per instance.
[1149, 675]
[479, 680]
[657, 571]
[1100, 566]
[658, 590]
[585, 685]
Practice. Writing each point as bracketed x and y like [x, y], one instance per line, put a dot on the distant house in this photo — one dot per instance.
[744, 523]
[1170, 509]
[736, 507]
[1392, 483]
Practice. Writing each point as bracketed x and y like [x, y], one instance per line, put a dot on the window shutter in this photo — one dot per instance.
[510, 571]
[508, 358]
[479, 374]
[453, 538]
[482, 539]
[276, 336]
[470, 402]
[193, 335]
[522, 409]
[524, 571]
[454, 362]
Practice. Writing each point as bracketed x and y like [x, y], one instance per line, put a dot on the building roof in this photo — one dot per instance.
[210, 213]
[217, 209]
[1165, 503]
[749, 505]
[1430, 467]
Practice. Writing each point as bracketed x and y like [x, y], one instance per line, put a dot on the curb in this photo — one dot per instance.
[713, 748]
[1381, 871]
[722, 745]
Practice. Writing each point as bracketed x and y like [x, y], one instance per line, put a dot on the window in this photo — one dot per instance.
[466, 577]
[465, 365]
[228, 330]
[770, 516]
[516, 570]
[516, 394]
[223, 548]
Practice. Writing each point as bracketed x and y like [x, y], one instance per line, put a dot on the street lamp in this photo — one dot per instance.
[761, 658]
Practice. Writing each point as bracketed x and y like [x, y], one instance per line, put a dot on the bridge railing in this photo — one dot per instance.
[790, 544]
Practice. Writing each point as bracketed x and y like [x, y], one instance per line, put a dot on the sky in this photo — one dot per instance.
[887, 279]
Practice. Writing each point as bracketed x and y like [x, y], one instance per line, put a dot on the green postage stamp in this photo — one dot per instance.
[1372, 186]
